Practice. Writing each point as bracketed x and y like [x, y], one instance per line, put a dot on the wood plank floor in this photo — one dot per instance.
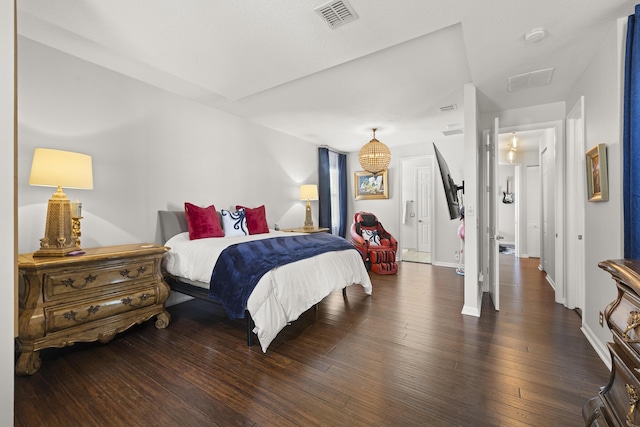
[403, 356]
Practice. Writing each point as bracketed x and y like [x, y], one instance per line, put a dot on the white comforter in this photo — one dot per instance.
[278, 297]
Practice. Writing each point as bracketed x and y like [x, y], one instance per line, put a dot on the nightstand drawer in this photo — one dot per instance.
[624, 321]
[66, 316]
[90, 297]
[622, 395]
[61, 283]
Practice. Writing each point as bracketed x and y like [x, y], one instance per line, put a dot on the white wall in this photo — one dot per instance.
[7, 218]
[507, 211]
[151, 151]
[602, 85]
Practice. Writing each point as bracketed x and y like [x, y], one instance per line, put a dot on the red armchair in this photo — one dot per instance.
[377, 247]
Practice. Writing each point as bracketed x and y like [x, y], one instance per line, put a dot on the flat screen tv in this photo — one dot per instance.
[450, 187]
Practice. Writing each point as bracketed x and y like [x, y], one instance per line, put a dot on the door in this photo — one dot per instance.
[423, 186]
[494, 237]
[575, 207]
[533, 211]
[544, 197]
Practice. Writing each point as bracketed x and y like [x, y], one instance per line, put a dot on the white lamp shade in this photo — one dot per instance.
[56, 168]
[309, 192]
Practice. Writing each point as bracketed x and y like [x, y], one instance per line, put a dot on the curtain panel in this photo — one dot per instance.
[332, 195]
[631, 140]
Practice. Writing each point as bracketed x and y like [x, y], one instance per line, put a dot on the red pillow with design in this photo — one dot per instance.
[202, 222]
[256, 219]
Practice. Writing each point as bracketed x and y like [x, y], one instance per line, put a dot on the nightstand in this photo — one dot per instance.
[306, 230]
[89, 297]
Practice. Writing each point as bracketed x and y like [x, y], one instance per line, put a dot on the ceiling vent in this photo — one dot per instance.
[452, 132]
[528, 80]
[447, 108]
[337, 13]
[453, 129]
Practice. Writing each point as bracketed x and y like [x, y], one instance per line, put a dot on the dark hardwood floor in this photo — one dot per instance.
[403, 356]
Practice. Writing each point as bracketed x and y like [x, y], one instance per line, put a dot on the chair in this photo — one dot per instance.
[377, 247]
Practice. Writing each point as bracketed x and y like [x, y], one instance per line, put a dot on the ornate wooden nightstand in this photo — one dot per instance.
[88, 297]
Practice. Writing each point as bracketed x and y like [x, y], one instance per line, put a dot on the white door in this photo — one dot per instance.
[494, 237]
[423, 186]
[533, 211]
[575, 207]
[544, 198]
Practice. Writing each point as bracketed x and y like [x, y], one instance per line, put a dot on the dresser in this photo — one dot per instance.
[617, 402]
[87, 297]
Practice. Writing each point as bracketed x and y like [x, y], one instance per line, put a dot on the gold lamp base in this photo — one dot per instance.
[308, 222]
[58, 237]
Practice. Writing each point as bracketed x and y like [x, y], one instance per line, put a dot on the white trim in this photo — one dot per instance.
[597, 345]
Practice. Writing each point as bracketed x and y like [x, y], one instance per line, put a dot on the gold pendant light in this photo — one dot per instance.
[374, 156]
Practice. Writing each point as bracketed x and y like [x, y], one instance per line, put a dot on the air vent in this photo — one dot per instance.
[337, 13]
[450, 132]
[528, 80]
[447, 108]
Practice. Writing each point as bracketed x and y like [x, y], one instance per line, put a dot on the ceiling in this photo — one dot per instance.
[278, 63]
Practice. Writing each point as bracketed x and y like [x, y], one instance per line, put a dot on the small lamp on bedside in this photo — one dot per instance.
[56, 168]
[308, 192]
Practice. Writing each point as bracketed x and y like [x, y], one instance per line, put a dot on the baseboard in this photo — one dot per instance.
[445, 264]
[597, 345]
[551, 282]
[471, 311]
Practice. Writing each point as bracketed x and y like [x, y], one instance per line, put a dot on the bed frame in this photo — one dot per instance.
[175, 222]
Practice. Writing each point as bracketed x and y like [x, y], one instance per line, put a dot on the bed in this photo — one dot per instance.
[278, 297]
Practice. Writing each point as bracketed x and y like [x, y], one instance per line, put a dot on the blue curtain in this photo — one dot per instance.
[342, 185]
[631, 141]
[324, 188]
[325, 217]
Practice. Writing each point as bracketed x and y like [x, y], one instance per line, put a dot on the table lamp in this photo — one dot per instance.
[308, 192]
[56, 168]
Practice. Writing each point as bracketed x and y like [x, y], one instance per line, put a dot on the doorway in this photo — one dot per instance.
[416, 208]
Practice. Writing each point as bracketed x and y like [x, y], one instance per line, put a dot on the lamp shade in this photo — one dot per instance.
[309, 192]
[374, 156]
[57, 168]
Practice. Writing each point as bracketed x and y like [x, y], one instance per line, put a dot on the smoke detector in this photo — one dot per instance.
[337, 13]
[535, 35]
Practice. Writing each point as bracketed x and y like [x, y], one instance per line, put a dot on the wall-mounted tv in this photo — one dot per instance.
[450, 187]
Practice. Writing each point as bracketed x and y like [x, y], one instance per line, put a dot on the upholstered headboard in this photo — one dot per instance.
[171, 223]
[174, 222]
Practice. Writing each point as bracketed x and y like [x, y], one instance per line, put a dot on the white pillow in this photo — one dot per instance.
[372, 236]
[234, 223]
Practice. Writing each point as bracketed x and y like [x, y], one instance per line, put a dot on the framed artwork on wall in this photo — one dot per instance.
[597, 181]
[370, 186]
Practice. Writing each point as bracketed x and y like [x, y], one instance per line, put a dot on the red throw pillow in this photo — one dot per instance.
[256, 219]
[202, 222]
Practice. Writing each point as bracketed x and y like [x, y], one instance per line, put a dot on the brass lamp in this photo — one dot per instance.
[374, 156]
[56, 168]
[308, 192]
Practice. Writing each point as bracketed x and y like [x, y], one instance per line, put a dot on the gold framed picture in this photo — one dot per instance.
[370, 186]
[597, 181]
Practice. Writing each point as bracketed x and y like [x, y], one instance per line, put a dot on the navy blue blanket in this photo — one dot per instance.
[240, 266]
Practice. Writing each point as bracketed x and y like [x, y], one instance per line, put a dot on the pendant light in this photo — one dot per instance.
[374, 156]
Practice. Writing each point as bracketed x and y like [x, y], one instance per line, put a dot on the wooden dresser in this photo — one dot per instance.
[88, 297]
[617, 402]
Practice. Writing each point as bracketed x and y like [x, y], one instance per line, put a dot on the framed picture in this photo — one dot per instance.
[597, 182]
[370, 186]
